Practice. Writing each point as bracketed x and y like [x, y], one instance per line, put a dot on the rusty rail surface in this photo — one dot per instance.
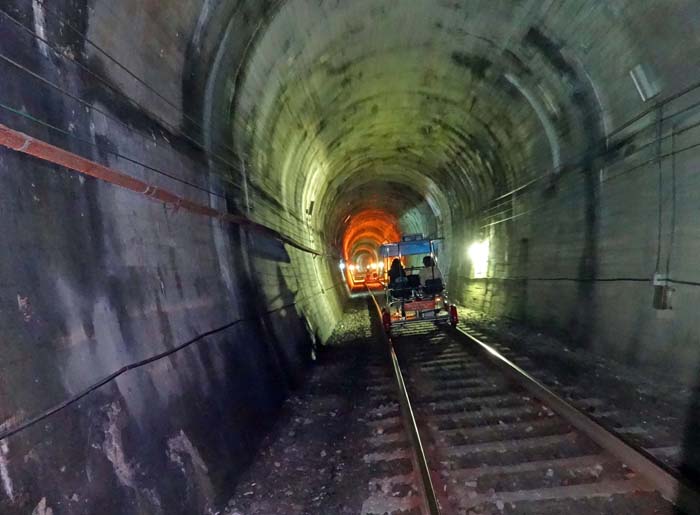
[672, 488]
[429, 496]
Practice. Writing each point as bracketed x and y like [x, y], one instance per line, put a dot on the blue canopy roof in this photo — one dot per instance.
[406, 248]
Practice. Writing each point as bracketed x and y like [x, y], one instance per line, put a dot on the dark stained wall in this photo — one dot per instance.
[299, 114]
[94, 278]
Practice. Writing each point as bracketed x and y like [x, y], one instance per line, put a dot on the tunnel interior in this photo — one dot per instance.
[297, 137]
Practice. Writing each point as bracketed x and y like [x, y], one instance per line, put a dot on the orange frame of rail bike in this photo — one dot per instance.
[420, 305]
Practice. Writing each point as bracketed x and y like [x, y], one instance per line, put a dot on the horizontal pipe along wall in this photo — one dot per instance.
[559, 134]
[200, 327]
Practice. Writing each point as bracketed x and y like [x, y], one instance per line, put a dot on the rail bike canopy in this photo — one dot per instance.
[407, 299]
[412, 245]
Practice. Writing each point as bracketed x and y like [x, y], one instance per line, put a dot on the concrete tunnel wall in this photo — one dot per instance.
[95, 278]
[299, 114]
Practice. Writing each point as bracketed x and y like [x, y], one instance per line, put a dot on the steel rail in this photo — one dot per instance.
[429, 496]
[672, 488]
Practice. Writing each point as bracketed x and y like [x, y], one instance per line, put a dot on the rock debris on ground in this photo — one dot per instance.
[316, 459]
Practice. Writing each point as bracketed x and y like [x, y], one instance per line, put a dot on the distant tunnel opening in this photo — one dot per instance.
[206, 166]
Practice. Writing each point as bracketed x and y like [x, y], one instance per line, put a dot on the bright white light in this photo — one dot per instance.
[479, 255]
[381, 265]
[342, 264]
[373, 266]
[352, 268]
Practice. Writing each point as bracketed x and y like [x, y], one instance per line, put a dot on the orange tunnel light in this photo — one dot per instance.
[365, 232]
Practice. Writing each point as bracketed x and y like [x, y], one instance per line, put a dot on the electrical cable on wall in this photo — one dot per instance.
[666, 155]
[62, 55]
[115, 153]
[673, 204]
[25, 144]
[292, 226]
[106, 114]
[607, 149]
[35, 419]
[47, 125]
[217, 158]
[660, 185]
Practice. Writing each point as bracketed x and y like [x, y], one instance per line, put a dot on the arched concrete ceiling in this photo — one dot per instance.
[368, 227]
[456, 102]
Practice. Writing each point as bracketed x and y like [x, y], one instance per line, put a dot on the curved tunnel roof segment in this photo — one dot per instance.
[456, 101]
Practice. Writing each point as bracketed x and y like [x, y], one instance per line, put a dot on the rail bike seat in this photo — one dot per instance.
[433, 286]
[402, 292]
[401, 288]
[413, 281]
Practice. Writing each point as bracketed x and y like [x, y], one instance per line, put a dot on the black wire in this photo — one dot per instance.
[33, 119]
[664, 156]
[660, 193]
[171, 127]
[66, 23]
[61, 90]
[106, 82]
[297, 233]
[106, 114]
[171, 103]
[115, 153]
[673, 204]
[678, 94]
[506, 200]
[687, 283]
[566, 279]
[573, 186]
[607, 149]
[138, 364]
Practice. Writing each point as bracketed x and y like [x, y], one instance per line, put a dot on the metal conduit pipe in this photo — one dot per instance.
[25, 144]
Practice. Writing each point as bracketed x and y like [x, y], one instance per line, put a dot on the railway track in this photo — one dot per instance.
[394, 486]
[489, 439]
[649, 417]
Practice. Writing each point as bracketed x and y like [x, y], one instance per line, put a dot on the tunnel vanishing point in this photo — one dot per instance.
[180, 181]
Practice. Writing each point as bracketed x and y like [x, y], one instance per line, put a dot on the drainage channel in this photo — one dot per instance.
[488, 438]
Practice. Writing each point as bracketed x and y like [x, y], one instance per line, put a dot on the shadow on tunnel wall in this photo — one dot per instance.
[263, 359]
[588, 113]
[280, 335]
[171, 436]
